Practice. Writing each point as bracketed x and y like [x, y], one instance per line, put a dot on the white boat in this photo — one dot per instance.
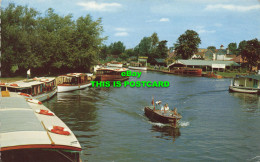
[138, 68]
[41, 89]
[115, 64]
[31, 132]
[246, 84]
[73, 81]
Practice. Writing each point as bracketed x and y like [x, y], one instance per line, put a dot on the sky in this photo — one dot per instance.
[218, 22]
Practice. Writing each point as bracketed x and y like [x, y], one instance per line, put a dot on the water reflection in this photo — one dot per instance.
[166, 132]
[249, 102]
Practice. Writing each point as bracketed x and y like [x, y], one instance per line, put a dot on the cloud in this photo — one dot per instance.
[120, 29]
[121, 34]
[94, 6]
[203, 31]
[164, 19]
[232, 7]
[158, 20]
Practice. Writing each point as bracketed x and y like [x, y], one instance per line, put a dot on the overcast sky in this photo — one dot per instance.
[216, 21]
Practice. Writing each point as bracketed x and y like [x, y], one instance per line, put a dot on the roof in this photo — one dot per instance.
[22, 127]
[221, 52]
[28, 83]
[256, 77]
[205, 63]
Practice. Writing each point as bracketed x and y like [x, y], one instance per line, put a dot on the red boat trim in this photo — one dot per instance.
[39, 147]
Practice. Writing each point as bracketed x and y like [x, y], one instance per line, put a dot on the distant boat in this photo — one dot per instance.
[41, 89]
[31, 132]
[111, 74]
[181, 69]
[137, 66]
[185, 71]
[212, 75]
[161, 116]
[73, 81]
[115, 64]
[246, 84]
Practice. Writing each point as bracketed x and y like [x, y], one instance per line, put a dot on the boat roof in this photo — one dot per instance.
[113, 69]
[28, 83]
[21, 126]
[70, 75]
[256, 77]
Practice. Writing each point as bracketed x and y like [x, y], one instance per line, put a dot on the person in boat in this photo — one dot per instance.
[158, 104]
[175, 112]
[165, 108]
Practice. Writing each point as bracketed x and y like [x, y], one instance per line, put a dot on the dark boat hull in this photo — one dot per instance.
[158, 116]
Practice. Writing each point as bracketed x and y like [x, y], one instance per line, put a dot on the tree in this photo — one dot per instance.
[233, 48]
[162, 50]
[212, 48]
[241, 47]
[251, 53]
[187, 44]
[51, 43]
[145, 46]
[116, 48]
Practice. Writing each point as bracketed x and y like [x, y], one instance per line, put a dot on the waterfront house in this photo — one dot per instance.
[207, 65]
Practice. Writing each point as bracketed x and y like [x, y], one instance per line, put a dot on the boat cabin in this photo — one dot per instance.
[250, 81]
[34, 87]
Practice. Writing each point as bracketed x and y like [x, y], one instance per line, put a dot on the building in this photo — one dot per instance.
[207, 65]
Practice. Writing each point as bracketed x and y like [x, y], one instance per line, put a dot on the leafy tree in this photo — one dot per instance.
[212, 48]
[145, 46]
[155, 40]
[47, 44]
[162, 50]
[116, 48]
[187, 44]
[233, 48]
[241, 47]
[251, 53]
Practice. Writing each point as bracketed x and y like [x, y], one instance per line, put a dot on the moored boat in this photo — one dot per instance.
[31, 132]
[186, 71]
[137, 66]
[180, 69]
[111, 74]
[115, 64]
[73, 81]
[41, 89]
[246, 84]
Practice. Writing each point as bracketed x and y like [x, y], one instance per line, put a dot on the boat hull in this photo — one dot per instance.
[66, 88]
[158, 116]
[187, 71]
[45, 96]
[244, 90]
[138, 68]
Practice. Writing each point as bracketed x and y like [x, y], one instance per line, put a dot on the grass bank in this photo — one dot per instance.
[230, 74]
[11, 79]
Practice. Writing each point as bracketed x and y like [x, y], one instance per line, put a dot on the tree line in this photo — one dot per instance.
[248, 50]
[151, 47]
[47, 44]
[53, 44]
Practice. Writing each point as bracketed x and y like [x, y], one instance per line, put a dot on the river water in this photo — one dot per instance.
[111, 126]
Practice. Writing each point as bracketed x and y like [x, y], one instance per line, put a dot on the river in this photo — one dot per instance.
[111, 126]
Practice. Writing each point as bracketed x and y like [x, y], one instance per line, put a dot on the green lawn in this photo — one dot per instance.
[12, 79]
[230, 74]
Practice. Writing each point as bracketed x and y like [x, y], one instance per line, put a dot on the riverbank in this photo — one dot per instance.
[223, 74]
[11, 79]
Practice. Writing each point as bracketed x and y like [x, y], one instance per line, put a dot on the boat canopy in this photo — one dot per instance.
[256, 77]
